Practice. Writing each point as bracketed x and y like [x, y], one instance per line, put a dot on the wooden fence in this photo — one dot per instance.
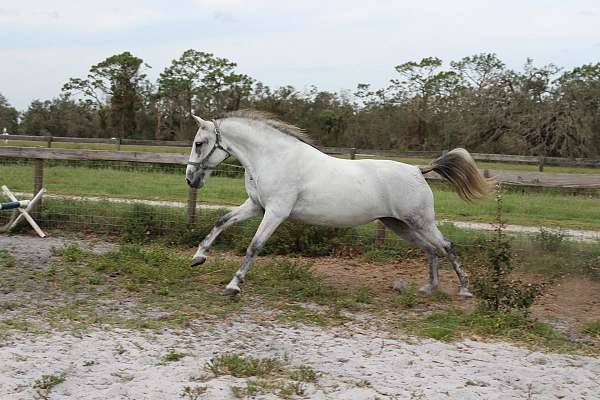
[351, 151]
[524, 178]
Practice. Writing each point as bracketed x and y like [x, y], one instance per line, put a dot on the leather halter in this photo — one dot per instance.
[201, 164]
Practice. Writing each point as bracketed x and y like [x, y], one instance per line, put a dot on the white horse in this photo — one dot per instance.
[286, 177]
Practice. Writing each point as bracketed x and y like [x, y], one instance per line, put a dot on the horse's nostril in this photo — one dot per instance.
[188, 181]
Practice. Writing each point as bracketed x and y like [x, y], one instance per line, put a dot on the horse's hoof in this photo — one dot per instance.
[198, 260]
[464, 292]
[231, 291]
[426, 290]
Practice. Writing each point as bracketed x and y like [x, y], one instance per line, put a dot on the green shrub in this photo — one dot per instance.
[550, 240]
[493, 285]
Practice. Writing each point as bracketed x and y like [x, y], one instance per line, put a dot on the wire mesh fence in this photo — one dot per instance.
[142, 201]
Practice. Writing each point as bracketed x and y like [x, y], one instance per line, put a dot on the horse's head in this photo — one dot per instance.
[207, 153]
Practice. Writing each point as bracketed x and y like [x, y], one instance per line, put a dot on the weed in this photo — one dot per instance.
[173, 355]
[119, 349]
[363, 295]
[591, 328]
[46, 383]
[304, 373]
[493, 286]
[292, 389]
[408, 298]
[6, 259]
[291, 279]
[241, 366]
[439, 296]
[550, 240]
[193, 393]
[516, 325]
[72, 254]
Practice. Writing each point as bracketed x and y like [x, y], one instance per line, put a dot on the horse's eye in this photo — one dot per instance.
[198, 145]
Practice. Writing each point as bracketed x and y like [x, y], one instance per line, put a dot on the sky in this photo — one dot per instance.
[333, 45]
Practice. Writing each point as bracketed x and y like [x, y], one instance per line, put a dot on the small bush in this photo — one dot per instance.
[493, 285]
[142, 223]
[550, 240]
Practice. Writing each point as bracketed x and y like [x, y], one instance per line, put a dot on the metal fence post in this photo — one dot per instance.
[191, 206]
[38, 183]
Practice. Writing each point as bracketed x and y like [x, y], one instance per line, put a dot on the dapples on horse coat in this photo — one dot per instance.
[286, 177]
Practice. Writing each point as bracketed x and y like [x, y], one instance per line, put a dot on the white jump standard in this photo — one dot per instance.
[23, 207]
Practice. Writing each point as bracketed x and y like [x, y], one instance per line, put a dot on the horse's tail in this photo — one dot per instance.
[458, 167]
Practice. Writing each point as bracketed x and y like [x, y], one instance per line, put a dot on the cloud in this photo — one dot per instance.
[334, 44]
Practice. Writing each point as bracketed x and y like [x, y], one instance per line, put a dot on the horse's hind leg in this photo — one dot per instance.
[247, 210]
[407, 233]
[431, 240]
[432, 234]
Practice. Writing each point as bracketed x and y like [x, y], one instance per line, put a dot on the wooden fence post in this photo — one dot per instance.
[191, 206]
[541, 163]
[353, 153]
[38, 183]
[49, 141]
[380, 234]
[118, 142]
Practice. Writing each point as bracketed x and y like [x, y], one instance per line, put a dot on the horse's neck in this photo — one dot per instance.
[252, 145]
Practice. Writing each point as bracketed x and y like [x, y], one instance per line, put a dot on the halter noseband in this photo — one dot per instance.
[201, 164]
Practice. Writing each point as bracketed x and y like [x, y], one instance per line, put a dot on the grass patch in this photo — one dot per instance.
[242, 366]
[173, 355]
[591, 329]
[529, 206]
[46, 383]
[452, 324]
[6, 259]
[269, 375]
[193, 393]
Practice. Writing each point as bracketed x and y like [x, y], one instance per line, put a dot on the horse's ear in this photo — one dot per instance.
[199, 120]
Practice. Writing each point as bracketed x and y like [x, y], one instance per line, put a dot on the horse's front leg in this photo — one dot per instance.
[270, 222]
[247, 210]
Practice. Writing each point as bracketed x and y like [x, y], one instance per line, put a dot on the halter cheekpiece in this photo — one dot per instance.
[201, 164]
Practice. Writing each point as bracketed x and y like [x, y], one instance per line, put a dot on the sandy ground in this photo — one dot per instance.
[355, 361]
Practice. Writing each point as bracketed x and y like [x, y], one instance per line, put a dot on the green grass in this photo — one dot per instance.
[521, 206]
[591, 328]
[6, 259]
[241, 366]
[453, 324]
[270, 375]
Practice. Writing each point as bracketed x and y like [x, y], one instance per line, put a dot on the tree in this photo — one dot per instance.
[9, 116]
[118, 81]
[420, 88]
[201, 82]
[60, 117]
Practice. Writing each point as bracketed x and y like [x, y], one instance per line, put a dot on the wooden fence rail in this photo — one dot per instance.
[351, 151]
